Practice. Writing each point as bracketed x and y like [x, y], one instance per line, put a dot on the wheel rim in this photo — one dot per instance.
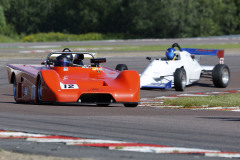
[184, 80]
[225, 76]
[40, 90]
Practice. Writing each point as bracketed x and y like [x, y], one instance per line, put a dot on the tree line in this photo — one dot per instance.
[131, 18]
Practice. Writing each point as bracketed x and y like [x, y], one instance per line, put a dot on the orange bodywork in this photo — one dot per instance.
[82, 84]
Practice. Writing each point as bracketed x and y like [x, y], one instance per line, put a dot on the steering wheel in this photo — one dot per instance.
[177, 45]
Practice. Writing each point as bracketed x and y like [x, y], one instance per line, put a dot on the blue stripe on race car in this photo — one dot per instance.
[159, 86]
[168, 85]
[153, 87]
[211, 52]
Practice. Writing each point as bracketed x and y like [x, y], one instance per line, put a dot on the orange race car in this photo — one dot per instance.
[64, 78]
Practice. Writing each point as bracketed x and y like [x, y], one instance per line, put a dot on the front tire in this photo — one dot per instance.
[221, 76]
[180, 79]
[103, 104]
[15, 89]
[131, 104]
[121, 67]
[39, 91]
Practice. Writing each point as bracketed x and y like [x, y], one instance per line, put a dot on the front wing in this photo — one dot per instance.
[167, 85]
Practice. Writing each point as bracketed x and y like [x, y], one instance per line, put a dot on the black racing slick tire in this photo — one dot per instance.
[15, 89]
[103, 104]
[39, 91]
[221, 76]
[121, 67]
[180, 79]
[131, 104]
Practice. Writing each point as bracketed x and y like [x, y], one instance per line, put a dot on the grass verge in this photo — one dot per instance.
[226, 100]
[5, 39]
[6, 155]
[153, 47]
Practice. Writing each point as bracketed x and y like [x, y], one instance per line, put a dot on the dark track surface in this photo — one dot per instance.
[217, 130]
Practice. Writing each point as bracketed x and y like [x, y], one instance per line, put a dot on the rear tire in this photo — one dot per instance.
[121, 67]
[131, 104]
[180, 79]
[39, 91]
[221, 76]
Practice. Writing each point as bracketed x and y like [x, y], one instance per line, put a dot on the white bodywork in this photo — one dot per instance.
[160, 72]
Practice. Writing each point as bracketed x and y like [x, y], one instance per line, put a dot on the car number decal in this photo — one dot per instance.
[68, 86]
[221, 61]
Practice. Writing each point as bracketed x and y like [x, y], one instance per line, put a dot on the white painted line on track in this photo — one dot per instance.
[72, 141]
[192, 95]
[223, 154]
[163, 149]
[95, 141]
[19, 134]
[164, 97]
[236, 110]
[77, 49]
[46, 46]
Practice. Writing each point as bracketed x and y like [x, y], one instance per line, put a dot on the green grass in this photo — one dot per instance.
[227, 100]
[213, 46]
[56, 37]
[5, 39]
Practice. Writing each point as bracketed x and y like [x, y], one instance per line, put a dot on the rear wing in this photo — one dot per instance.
[210, 52]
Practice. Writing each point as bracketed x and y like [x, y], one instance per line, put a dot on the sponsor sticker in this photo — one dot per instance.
[98, 69]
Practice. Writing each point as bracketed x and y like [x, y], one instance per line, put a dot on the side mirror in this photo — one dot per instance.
[98, 60]
[148, 58]
[46, 63]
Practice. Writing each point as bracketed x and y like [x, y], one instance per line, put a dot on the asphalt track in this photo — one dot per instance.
[217, 130]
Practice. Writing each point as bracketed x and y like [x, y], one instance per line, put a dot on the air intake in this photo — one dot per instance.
[96, 98]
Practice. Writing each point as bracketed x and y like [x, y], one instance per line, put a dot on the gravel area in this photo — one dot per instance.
[6, 155]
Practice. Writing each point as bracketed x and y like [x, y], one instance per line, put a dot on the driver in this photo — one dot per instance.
[62, 61]
[171, 54]
[78, 59]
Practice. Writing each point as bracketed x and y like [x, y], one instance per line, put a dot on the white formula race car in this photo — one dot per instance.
[181, 68]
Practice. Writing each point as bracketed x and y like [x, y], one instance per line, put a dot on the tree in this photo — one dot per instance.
[2, 18]
[138, 18]
[28, 16]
